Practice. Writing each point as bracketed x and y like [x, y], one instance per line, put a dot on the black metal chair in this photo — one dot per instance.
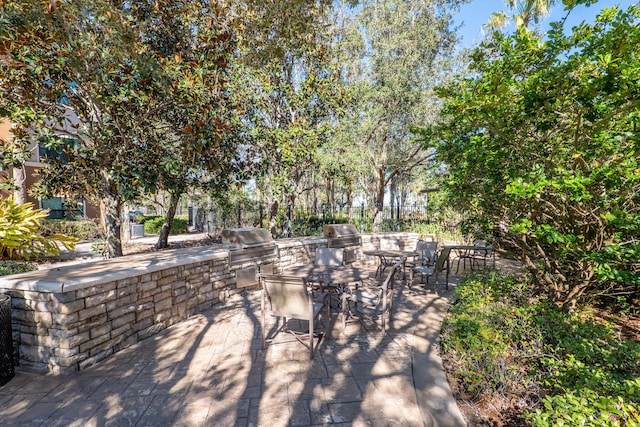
[374, 295]
[441, 265]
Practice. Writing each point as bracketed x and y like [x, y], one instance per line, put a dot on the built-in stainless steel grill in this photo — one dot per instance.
[250, 249]
[343, 236]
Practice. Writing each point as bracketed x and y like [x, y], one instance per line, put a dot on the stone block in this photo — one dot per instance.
[144, 314]
[93, 322]
[63, 333]
[65, 319]
[101, 330]
[99, 299]
[87, 346]
[36, 296]
[35, 353]
[88, 313]
[94, 290]
[74, 341]
[43, 318]
[143, 324]
[163, 317]
[147, 286]
[67, 362]
[42, 305]
[121, 311]
[145, 306]
[163, 305]
[123, 330]
[126, 319]
[67, 352]
[69, 307]
[173, 271]
[64, 297]
[120, 301]
[167, 280]
[125, 283]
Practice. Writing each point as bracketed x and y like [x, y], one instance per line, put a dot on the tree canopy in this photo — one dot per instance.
[127, 81]
[541, 140]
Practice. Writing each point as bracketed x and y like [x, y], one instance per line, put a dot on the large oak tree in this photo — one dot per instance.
[140, 86]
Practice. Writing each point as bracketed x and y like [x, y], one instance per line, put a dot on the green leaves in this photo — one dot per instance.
[20, 236]
[542, 139]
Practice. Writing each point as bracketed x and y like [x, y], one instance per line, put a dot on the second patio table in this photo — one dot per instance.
[326, 274]
[389, 257]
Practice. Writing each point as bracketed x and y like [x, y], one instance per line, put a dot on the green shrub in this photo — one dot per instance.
[16, 267]
[566, 368]
[433, 229]
[99, 246]
[82, 230]
[20, 236]
[153, 225]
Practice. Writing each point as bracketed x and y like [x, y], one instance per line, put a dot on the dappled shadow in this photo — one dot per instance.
[211, 370]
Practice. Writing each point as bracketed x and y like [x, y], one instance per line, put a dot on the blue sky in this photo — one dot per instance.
[475, 14]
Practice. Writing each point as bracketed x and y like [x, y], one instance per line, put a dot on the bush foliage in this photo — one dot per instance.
[20, 236]
[542, 140]
[153, 224]
[16, 267]
[565, 369]
[81, 230]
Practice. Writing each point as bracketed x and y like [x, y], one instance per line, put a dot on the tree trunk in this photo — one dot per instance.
[20, 178]
[329, 190]
[377, 218]
[112, 209]
[163, 239]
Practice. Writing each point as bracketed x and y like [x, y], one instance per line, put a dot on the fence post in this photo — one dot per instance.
[362, 218]
[324, 214]
[398, 213]
[288, 234]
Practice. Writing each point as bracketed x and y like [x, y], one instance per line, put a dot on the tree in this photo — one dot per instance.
[296, 92]
[542, 139]
[120, 79]
[397, 52]
[525, 12]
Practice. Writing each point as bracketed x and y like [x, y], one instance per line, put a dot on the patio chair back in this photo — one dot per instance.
[375, 295]
[427, 251]
[287, 296]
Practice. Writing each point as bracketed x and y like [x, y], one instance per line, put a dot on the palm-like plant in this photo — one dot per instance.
[20, 236]
[525, 12]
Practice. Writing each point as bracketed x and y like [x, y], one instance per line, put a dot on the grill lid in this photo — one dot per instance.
[240, 238]
[337, 231]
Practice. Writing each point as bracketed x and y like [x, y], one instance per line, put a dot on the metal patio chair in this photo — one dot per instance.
[289, 297]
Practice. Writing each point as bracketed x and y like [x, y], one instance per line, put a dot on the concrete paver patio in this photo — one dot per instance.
[210, 370]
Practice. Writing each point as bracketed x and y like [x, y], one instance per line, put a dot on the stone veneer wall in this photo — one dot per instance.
[71, 317]
[66, 331]
[297, 251]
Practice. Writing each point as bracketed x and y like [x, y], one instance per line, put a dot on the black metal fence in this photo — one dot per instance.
[288, 222]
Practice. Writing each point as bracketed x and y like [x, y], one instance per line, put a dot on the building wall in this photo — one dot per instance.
[32, 169]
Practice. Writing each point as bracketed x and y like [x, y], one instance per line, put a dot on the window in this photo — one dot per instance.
[64, 207]
[56, 152]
